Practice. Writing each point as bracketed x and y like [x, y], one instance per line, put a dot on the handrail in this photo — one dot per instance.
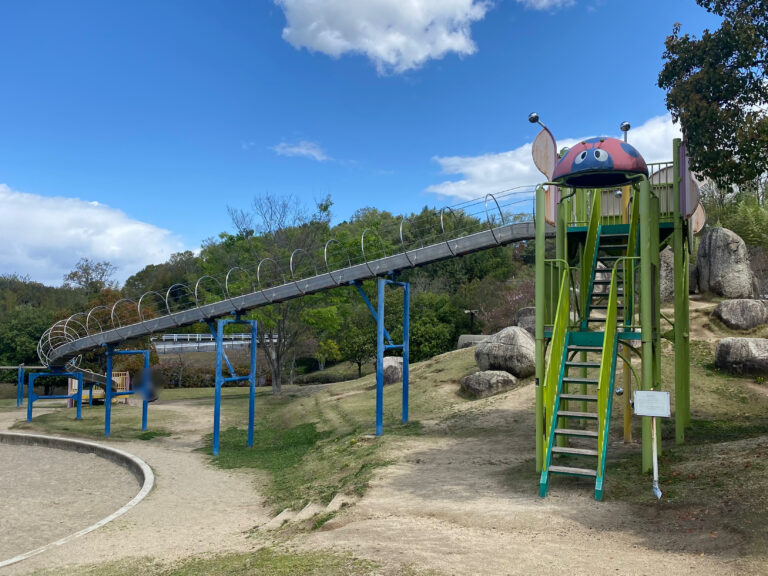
[563, 268]
[590, 256]
[555, 366]
[629, 275]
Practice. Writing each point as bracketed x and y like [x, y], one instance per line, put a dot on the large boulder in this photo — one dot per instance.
[526, 318]
[393, 369]
[512, 350]
[722, 265]
[469, 340]
[742, 355]
[742, 314]
[487, 383]
[667, 275]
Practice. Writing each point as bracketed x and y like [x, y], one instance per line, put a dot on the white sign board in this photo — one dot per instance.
[652, 403]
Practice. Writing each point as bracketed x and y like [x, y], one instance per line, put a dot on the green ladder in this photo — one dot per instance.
[578, 438]
[612, 245]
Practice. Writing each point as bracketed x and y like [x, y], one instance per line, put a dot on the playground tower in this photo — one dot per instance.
[598, 297]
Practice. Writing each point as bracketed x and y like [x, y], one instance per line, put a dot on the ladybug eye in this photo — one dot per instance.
[580, 158]
[601, 155]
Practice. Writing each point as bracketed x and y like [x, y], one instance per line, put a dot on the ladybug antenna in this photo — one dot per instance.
[624, 127]
[533, 118]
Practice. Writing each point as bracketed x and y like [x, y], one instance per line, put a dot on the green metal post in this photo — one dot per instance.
[646, 311]
[656, 299]
[561, 254]
[681, 319]
[540, 305]
[686, 349]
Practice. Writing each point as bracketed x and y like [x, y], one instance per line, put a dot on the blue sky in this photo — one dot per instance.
[129, 126]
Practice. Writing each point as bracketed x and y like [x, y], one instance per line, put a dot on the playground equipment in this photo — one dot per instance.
[96, 393]
[61, 345]
[597, 296]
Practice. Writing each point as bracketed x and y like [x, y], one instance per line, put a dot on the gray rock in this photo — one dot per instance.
[742, 355]
[487, 383]
[469, 340]
[601, 288]
[526, 318]
[667, 275]
[393, 369]
[742, 314]
[723, 266]
[512, 350]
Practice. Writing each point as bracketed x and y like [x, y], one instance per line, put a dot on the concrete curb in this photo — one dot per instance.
[137, 466]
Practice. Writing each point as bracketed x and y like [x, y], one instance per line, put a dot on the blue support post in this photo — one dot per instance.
[20, 386]
[252, 383]
[221, 355]
[213, 329]
[77, 396]
[30, 397]
[372, 310]
[406, 345]
[381, 347]
[380, 358]
[145, 391]
[108, 394]
[218, 384]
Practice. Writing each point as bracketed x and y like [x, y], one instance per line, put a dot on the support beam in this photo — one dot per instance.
[682, 357]
[218, 333]
[381, 346]
[539, 331]
[109, 393]
[646, 311]
[77, 396]
[380, 358]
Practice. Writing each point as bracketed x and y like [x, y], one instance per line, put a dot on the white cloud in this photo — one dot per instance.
[396, 35]
[44, 237]
[494, 172]
[546, 4]
[303, 148]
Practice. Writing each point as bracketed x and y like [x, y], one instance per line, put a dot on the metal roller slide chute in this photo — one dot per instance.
[57, 349]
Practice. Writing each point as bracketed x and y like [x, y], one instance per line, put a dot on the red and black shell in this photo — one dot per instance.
[599, 163]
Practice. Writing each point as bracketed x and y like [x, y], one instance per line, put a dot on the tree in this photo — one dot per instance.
[324, 321]
[181, 268]
[717, 87]
[270, 231]
[20, 331]
[91, 276]
[327, 351]
[358, 346]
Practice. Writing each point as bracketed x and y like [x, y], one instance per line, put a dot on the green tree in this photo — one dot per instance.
[358, 345]
[271, 230]
[327, 351]
[91, 276]
[20, 331]
[717, 87]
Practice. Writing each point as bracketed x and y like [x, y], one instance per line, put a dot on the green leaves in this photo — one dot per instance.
[717, 87]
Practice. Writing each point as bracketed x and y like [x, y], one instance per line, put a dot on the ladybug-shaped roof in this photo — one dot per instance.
[599, 163]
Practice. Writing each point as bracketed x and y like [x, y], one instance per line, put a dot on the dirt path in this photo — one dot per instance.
[194, 508]
[459, 499]
[450, 504]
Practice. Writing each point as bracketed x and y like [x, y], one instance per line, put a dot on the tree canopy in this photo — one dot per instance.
[717, 87]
